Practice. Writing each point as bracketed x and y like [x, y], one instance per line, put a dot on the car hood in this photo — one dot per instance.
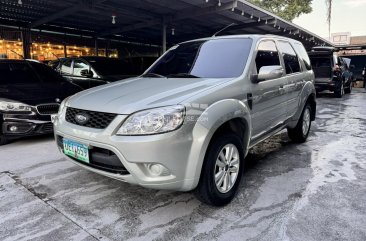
[113, 78]
[131, 95]
[34, 94]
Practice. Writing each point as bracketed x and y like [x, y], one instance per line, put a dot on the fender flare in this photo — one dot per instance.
[209, 122]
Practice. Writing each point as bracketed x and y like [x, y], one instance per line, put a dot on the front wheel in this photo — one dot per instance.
[300, 133]
[3, 140]
[222, 170]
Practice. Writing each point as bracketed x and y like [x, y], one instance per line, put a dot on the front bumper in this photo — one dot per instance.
[136, 154]
[20, 125]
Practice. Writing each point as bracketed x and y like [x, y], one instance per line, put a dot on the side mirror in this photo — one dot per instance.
[86, 73]
[268, 73]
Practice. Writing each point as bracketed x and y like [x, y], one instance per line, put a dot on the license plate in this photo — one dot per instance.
[76, 150]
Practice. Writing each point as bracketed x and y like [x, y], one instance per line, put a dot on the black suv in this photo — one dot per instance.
[29, 93]
[331, 71]
[91, 71]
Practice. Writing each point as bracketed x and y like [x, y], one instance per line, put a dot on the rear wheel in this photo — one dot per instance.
[349, 88]
[300, 133]
[222, 170]
[339, 92]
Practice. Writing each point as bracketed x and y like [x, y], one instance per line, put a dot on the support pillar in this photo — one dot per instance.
[107, 47]
[65, 50]
[96, 47]
[26, 39]
[164, 37]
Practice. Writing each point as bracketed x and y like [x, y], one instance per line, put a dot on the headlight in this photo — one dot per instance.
[153, 121]
[14, 106]
[62, 105]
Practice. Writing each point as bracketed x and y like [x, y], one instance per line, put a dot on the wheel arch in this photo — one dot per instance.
[226, 115]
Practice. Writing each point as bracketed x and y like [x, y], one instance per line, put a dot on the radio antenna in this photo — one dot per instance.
[221, 30]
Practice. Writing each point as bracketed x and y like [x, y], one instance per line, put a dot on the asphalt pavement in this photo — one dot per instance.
[312, 191]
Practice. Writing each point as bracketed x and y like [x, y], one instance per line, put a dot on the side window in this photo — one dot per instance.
[66, 67]
[267, 54]
[80, 65]
[303, 55]
[292, 64]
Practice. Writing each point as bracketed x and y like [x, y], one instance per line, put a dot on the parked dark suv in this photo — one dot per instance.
[331, 71]
[29, 93]
[91, 71]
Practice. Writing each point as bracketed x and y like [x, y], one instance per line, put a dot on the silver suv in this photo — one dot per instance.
[188, 122]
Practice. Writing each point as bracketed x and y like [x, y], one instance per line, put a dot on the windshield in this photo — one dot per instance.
[112, 67]
[17, 73]
[218, 58]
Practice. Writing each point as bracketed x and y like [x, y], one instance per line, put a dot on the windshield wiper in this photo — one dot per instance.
[154, 75]
[182, 75]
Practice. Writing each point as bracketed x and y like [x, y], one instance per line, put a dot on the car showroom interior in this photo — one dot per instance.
[182, 120]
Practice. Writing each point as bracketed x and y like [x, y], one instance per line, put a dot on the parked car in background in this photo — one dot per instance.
[332, 72]
[91, 71]
[29, 93]
[189, 121]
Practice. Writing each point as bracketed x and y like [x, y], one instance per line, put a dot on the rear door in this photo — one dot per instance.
[295, 76]
[268, 97]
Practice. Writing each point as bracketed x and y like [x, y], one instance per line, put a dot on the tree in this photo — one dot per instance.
[286, 9]
[329, 13]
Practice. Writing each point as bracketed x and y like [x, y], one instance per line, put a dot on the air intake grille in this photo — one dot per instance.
[47, 109]
[98, 120]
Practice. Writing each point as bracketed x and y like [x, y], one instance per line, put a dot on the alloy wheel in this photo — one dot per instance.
[306, 121]
[227, 168]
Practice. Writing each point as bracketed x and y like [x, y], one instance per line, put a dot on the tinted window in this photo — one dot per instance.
[321, 62]
[303, 55]
[17, 73]
[105, 66]
[267, 55]
[220, 58]
[290, 59]
[46, 73]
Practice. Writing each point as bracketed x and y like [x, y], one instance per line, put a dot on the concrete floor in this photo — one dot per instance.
[314, 191]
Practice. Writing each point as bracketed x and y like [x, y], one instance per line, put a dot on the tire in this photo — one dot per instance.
[221, 192]
[3, 140]
[339, 92]
[299, 134]
[349, 88]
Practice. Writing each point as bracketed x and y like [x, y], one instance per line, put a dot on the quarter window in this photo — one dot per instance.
[292, 64]
[267, 55]
[303, 55]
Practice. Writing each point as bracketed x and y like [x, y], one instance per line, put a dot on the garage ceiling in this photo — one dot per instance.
[143, 20]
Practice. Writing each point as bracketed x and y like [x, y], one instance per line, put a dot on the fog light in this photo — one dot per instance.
[13, 128]
[158, 170]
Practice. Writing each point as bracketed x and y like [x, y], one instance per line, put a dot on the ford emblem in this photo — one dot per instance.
[82, 118]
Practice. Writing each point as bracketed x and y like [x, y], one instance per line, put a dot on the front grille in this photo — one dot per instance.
[101, 159]
[47, 109]
[98, 120]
